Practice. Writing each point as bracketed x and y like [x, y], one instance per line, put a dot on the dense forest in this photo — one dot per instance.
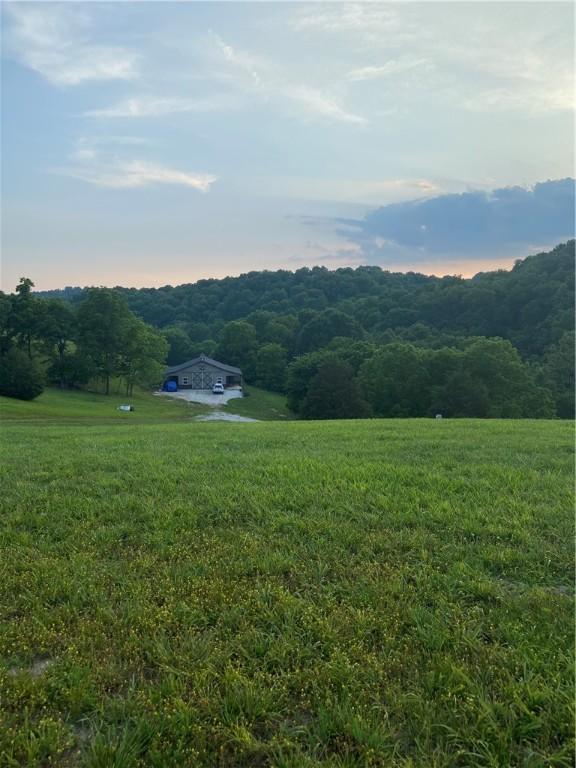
[364, 341]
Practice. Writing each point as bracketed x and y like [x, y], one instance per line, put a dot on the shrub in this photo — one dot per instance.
[20, 376]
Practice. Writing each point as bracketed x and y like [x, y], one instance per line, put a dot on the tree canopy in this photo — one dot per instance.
[500, 343]
[69, 344]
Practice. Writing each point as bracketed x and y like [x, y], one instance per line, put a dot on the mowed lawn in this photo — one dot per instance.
[290, 594]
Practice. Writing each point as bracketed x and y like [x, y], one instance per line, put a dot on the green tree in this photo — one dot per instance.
[300, 373]
[355, 353]
[56, 328]
[6, 326]
[270, 370]
[199, 332]
[325, 326]
[237, 346]
[496, 365]
[143, 355]
[20, 376]
[461, 395]
[558, 372]
[25, 314]
[333, 393]
[450, 388]
[395, 381]
[180, 346]
[104, 324]
[208, 347]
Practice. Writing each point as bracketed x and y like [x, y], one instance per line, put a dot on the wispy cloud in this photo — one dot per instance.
[359, 191]
[241, 61]
[534, 78]
[261, 79]
[371, 20]
[137, 174]
[467, 61]
[241, 79]
[147, 106]
[541, 100]
[315, 103]
[89, 164]
[53, 41]
[92, 147]
[392, 67]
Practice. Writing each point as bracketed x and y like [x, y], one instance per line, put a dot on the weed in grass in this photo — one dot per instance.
[386, 594]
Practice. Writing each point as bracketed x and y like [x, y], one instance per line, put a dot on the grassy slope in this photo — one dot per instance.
[75, 407]
[387, 593]
[260, 404]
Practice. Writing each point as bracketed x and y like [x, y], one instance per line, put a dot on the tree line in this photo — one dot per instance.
[52, 341]
[485, 378]
[366, 340]
[531, 305]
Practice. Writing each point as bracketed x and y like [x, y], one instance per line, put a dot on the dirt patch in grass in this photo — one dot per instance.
[37, 668]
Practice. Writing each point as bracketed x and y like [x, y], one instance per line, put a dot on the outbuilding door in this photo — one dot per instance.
[202, 379]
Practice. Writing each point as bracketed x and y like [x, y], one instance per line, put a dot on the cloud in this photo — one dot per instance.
[91, 148]
[158, 107]
[241, 61]
[260, 79]
[365, 192]
[317, 104]
[137, 173]
[53, 41]
[464, 57]
[538, 100]
[472, 223]
[392, 67]
[243, 78]
[373, 22]
[90, 164]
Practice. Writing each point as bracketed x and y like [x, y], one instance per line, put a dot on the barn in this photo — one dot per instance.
[202, 373]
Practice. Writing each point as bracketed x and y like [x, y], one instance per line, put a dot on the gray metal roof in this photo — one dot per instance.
[208, 361]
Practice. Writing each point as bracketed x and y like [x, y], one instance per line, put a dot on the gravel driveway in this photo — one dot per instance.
[207, 398]
[203, 396]
[222, 416]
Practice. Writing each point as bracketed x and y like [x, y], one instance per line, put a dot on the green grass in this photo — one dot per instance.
[298, 595]
[78, 407]
[260, 404]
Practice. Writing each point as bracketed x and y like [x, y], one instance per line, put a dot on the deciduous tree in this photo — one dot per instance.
[333, 393]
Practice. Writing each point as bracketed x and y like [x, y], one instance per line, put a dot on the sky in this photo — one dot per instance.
[155, 143]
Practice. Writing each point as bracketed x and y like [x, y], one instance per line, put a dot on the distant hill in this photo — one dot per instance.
[532, 304]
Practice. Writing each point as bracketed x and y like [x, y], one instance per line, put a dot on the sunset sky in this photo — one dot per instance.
[154, 143]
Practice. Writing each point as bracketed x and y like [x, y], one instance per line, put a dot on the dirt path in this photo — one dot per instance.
[222, 416]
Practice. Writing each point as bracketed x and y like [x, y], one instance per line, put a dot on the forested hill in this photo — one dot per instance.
[531, 305]
[343, 344]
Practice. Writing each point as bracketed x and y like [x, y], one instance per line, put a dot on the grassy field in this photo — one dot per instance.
[77, 407]
[380, 593]
[259, 404]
